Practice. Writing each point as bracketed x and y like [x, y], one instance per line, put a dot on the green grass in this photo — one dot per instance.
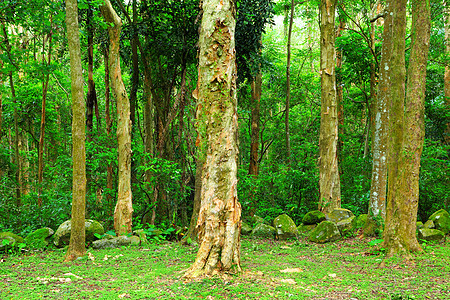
[343, 270]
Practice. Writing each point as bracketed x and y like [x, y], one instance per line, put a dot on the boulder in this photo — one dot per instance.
[313, 217]
[40, 238]
[441, 220]
[347, 227]
[419, 225]
[256, 220]
[246, 229]
[326, 231]
[285, 227]
[141, 234]
[302, 228]
[429, 235]
[361, 220]
[372, 228]
[263, 230]
[13, 240]
[338, 215]
[116, 242]
[62, 234]
[429, 224]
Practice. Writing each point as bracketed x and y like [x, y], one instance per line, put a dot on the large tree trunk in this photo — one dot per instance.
[407, 129]
[91, 98]
[377, 201]
[219, 219]
[78, 236]
[124, 208]
[288, 86]
[329, 182]
[108, 121]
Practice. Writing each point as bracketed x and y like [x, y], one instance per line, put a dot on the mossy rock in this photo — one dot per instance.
[40, 238]
[302, 228]
[313, 217]
[285, 227]
[429, 224]
[338, 215]
[441, 220]
[361, 220]
[12, 238]
[372, 228]
[263, 230]
[246, 229]
[117, 242]
[141, 234]
[419, 225]
[62, 234]
[326, 231]
[256, 220]
[347, 227]
[431, 235]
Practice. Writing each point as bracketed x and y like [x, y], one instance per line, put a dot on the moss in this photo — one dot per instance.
[313, 217]
[13, 239]
[285, 226]
[441, 220]
[326, 231]
[39, 239]
[361, 220]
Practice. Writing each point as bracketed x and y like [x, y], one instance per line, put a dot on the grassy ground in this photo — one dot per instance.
[272, 270]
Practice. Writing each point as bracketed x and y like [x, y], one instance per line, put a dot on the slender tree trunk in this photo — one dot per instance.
[329, 182]
[407, 129]
[377, 201]
[108, 121]
[78, 236]
[91, 98]
[219, 219]
[124, 208]
[288, 86]
[256, 104]
[340, 96]
[135, 70]
[447, 69]
[192, 233]
[44, 100]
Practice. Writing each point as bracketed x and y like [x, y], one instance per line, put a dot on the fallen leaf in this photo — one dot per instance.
[332, 275]
[71, 274]
[285, 247]
[91, 256]
[293, 270]
[290, 281]
[124, 295]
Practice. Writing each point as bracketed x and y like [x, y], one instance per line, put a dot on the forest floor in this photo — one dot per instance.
[348, 269]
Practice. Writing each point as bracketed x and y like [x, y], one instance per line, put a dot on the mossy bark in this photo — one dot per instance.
[329, 182]
[220, 212]
[78, 236]
[407, 129]
[124, 208]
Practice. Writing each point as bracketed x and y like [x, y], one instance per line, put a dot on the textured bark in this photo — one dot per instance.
[329, 181]
[377, 201]
[78, 236]
[124, 208]
[44, 100]
[108, 121]
[340, 95]
[219, 219]
[407, 129]
[288, 86]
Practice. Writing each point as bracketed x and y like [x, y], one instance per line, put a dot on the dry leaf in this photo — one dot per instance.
[293, 270]
[290, 281]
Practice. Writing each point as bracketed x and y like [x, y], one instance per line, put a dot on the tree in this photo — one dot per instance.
[330, 186]
[407, 128]
[124, 208]
[219, 219]
[78, 235]
[377, 200]
[447, 67]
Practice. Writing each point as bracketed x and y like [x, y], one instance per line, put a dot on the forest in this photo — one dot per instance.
[197, 120]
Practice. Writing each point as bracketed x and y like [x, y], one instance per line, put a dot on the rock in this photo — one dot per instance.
[431, 235]
[361, 220]
[40, 238]
[313, 217]
[441, 220]
[302, 228]
[429, 224]
[285, 227]
[13, 239]
[256, 220]
[347, 227]
[326, 231]
[117, 242]
[263, 230]
[338, 215]
[141, 234]
[62, 234]
[246, 229]
[372, 228]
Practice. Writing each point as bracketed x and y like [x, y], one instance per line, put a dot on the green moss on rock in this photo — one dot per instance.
[263, 230]
[302, 228]
[431, 235]
[361, 220]
[62, 234]
[246, 229]
[40, 238]
[441, 220]
[338, 215]
[347, 227]
[313, 217]
[326, 231]
[285, 227]
[12, 238]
